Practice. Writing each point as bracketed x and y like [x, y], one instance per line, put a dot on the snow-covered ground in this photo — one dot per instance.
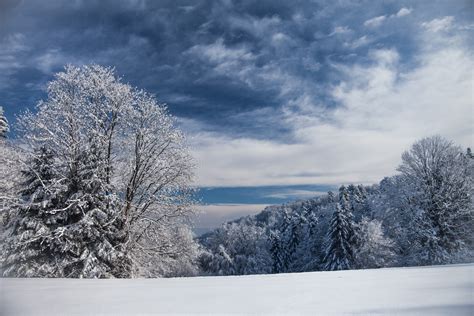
[440, 290]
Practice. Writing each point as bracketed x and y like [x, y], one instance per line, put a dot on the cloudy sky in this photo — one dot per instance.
[281, 100]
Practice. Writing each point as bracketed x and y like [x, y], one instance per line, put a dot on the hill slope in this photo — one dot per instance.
[432, 290]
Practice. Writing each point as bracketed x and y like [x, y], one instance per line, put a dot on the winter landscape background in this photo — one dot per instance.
[144, 139]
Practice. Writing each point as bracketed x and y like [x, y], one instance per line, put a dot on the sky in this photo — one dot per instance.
[280, 100]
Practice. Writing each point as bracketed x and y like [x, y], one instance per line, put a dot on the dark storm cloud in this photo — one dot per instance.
[213, 61]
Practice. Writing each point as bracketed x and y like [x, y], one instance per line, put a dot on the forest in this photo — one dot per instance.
[98, 183]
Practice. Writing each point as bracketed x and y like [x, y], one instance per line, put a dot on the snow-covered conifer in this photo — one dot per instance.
[64, 229]
[340, 240]
[278, 264]
[331, 197]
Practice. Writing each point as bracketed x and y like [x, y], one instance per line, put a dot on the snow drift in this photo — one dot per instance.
[435, 290]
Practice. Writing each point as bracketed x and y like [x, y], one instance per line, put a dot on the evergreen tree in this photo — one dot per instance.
[358, 201]
[345, 198]
[68, 229]
[40, 175]
[296, 239]
[278, 264]
[331, 197]
[293, 233]
[3, 124]
[340, 240]
[29, 230]
[285, 251]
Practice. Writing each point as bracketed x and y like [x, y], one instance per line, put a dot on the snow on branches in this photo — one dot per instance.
[107, 184]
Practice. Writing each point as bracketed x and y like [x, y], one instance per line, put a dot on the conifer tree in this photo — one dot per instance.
[24, 249]
[65, 229]
[339, 254]
[331, 197]
[345, 199]
[341, 237]
[278, 264]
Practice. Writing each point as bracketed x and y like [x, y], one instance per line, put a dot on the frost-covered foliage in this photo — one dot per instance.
[4, 128]
[236, 249]
[374, 249]
[106, 184]
[155, 176]
[424, 215]
[437, 173]
[11, 162]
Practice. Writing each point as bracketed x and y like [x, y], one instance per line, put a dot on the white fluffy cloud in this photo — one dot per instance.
[403, 12]
[441, 24]
[382, 110]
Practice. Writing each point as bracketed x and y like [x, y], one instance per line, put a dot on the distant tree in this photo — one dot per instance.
[306, 256]
[288, 240]
[339, 253]
[237, 248]
[374, 250]
[331, 197]
[357, 198]
[344, 198]
[437, 173]
[278, 262]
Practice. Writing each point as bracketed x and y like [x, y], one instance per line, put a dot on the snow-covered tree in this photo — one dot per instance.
[374, 249]
[157, 171]
[65, 227]
[4, 128]
[437, 172]
[237, 248]
[117, 202]
[331, 197]
[11, 162]
[341, 239]
[178, 254]
[11, 159]
[306, 256]
[276, 252]
[288, 240]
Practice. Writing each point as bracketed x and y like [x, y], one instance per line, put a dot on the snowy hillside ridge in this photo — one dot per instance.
[437, 290]
[422, 216]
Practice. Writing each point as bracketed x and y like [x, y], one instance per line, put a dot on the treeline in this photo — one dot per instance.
[423, 216]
